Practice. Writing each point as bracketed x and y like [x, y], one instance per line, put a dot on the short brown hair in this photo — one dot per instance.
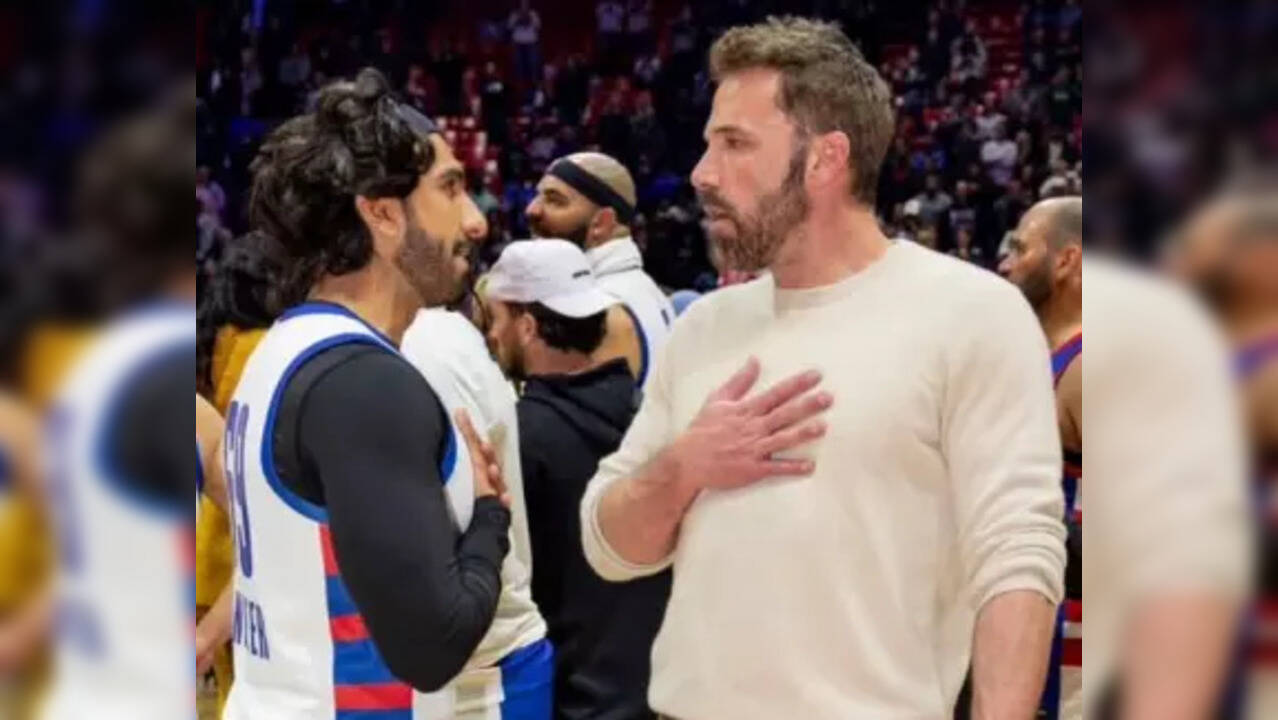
[826, 85]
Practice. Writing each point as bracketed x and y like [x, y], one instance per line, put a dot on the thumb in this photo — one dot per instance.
[740, 383]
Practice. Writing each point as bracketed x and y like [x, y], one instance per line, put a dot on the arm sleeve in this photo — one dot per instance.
[546, 582]
[648, 435]
[1001, 443]
[373, 432]
[150, 443]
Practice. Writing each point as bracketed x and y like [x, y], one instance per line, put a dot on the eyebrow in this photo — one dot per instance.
[726, 130]
[453, 173]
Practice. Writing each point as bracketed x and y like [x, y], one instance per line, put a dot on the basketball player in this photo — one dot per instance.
[120, 477]
[890, 503]
[589, 199]
[369, 535]
[1228, 252]
[1044, 259]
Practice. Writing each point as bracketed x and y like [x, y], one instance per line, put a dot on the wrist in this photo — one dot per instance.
[670, 473]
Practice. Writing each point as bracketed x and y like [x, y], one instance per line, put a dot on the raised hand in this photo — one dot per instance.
[733, 439]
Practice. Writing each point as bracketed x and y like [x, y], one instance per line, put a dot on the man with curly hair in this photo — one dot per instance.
[370, 530]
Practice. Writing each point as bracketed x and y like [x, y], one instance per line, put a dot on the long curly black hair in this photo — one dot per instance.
[243, 290]
[358, 141]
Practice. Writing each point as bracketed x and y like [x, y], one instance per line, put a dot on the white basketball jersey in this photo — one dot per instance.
[302, 650]
[449, 351]
[125, 586]
[618, 269]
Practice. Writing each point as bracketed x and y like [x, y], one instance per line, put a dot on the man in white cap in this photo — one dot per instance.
[588, 198]
[548, 316]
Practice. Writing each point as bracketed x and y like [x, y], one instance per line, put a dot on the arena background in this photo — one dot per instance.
[988, 96]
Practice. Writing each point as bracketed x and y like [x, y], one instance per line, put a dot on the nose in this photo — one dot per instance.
[703, 175]
[533, 211]
[1005, 266]
[474, 224]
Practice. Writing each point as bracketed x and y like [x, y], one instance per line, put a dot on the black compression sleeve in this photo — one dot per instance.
[150, 442]
[372, 431]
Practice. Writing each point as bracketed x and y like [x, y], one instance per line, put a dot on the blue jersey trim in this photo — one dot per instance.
[324, 307]
[643, 345]
[402, 714]
[1064, 355]
[290, 498]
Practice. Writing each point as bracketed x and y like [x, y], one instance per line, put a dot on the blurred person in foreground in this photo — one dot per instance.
[370, 531]
[121, 474]
[1168, 532]
[1228, 252]
[1044, 260]
[589, 199]
[890, 499]
[548, 320]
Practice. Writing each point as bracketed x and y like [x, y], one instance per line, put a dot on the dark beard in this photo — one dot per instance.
[1037, 285]
[759, 237]
[577, 236]
[428, 269]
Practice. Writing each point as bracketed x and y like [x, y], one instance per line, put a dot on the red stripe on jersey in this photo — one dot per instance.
[326, 547]
[1073, 470]
[348, 628]
[1072, 652]
[1073, 611]
[385, 696]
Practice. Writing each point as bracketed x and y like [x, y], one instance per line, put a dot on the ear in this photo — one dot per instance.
[602, 223]
[383, 216]
[526, 328]
[1069, 259]
[828, 158]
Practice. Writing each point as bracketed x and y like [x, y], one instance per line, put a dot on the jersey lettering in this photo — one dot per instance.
[236, 423]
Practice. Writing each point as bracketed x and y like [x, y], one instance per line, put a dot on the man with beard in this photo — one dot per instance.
[589, 199]
[369, 537]
[548, 318]
[1228, 251]
[843, 541]
[1044, 259]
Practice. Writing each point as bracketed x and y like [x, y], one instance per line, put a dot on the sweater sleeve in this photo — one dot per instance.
[1002, 446]
[648, 435]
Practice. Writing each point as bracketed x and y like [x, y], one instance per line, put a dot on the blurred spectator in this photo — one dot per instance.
[1009, 208]
[1058, 183]
[646, 69]
[250, 81]
[962, 214]
[495, 110]
[416, 89]
[524, 25]
[448, 67]
[610, 17]
[295, 69]
[639, 25]
[1063, 99]
[209, 194]
[988, 119]
[999, 156]
[646, 134]
[571, 90]
[933, 202]
[483, 197]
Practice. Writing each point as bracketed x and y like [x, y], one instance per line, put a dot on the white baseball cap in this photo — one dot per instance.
[554, 273]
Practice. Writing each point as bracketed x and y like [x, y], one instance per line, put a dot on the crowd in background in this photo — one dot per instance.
[988, 98]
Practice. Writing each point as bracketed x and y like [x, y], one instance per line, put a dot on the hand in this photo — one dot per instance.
[483, 461]
[732, 440]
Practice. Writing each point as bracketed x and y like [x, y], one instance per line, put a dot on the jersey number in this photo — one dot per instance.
[233, 460]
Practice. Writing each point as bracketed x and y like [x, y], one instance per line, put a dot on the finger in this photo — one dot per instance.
[797, 410]
[468, 433]
[788, 388]
[791, 437]
[740, 383]
[495, 479]
[785, 468]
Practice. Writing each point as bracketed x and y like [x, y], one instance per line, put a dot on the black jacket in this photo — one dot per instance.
[602, 631]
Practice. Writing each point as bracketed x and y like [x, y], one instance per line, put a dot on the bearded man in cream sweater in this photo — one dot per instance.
[851, 462]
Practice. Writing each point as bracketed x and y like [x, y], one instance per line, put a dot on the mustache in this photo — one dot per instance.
[713, 203]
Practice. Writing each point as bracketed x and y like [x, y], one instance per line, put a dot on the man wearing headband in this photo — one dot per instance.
[589, 199]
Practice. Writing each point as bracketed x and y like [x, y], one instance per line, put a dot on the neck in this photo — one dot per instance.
[371, 293]
[1061, 318]
[545, 360]
[828, 247]
[592, 243]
